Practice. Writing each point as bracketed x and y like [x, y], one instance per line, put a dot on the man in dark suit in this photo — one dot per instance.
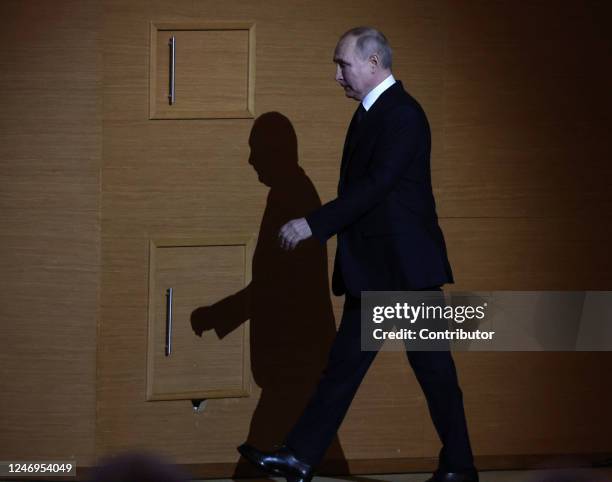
[388, 239]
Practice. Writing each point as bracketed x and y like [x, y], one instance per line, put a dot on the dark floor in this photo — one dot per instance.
[565, 475]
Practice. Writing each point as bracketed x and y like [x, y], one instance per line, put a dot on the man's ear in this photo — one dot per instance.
[374, 61]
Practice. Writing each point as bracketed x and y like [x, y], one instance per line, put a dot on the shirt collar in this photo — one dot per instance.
[375, 93]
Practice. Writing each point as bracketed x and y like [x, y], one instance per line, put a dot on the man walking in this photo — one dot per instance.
[388, 240]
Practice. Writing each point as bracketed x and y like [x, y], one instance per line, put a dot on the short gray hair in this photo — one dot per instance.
[371, 41]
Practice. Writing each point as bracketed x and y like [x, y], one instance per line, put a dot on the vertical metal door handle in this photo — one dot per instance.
[171, 94]
[169, 294]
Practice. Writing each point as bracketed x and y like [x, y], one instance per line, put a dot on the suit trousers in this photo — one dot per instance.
[347, 365]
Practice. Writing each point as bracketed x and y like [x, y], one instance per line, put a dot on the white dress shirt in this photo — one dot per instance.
[374, 94]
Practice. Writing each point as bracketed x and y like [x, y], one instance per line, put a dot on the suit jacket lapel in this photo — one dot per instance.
[367, 125]
[347, 147]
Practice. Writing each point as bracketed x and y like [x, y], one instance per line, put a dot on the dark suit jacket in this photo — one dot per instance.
[385, 213]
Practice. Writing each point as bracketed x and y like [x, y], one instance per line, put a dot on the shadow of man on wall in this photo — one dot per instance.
[288, 303]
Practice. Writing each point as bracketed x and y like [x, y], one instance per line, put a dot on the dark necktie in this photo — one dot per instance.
[360, 114]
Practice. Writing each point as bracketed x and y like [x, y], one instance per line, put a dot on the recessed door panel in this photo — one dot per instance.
[183, 278]
[201, 71]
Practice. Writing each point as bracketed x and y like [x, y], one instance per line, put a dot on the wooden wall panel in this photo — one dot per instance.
[50, 156]
[536, 403]
[174, 178]
[520, 173]
[527, 110]
[519, 113]
[529, 253]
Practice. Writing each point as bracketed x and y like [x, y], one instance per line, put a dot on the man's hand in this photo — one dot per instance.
[293, 232]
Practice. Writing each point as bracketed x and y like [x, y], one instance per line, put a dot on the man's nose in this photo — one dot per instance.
[338, 74]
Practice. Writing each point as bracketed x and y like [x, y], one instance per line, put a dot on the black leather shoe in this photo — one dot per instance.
[280, 462]
[469, 476]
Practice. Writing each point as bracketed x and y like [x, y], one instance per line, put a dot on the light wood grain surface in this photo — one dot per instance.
[519, 111]
[50, 159]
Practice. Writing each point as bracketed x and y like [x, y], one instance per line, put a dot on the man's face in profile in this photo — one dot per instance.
[352, 73]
